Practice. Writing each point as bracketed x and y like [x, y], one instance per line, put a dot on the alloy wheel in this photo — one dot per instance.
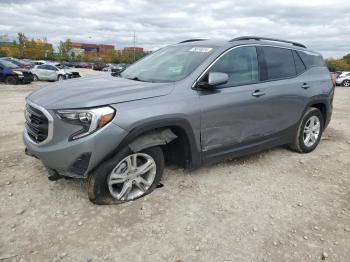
[132, 176]
[312, 131]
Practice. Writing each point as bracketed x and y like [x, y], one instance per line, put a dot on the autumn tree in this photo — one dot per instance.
[22, 40]
[338, 64]
[64, 48]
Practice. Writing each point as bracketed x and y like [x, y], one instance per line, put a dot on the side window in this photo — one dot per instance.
[299, 65]
[279, 63]
[52, 68]
[311, 59]
[241, 65]
[41, 67]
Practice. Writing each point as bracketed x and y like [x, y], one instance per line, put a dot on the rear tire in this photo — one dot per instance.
[346, 83]
[60, 77]
[11, 80]
[100, 190]
[309, 132]
[35, 78]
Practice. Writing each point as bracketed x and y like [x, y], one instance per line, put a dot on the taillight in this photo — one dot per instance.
[333, 77]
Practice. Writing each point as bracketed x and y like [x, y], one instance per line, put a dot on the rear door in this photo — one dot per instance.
[285, 87]
[41, 72]
[51, 72]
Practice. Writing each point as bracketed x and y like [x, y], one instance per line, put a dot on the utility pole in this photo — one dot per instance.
[134, 46]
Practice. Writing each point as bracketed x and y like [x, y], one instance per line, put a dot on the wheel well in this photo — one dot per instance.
[178, 151]
[323, 109]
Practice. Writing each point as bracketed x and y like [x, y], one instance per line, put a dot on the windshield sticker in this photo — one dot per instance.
[201, 49]
[175, 69]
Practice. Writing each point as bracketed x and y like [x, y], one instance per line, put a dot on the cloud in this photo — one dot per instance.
[321, 25]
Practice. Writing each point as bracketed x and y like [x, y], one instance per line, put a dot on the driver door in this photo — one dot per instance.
[234, 114]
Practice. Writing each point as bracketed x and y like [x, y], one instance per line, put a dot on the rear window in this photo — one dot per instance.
[311, 59]
[279, 62]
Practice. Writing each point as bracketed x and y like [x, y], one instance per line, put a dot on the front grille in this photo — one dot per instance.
[37, 124]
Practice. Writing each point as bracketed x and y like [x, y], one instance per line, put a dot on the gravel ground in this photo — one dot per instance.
[273, 206]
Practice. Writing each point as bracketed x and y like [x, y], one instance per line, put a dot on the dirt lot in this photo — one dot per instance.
[273, 206]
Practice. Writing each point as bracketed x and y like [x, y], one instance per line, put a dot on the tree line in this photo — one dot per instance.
[41, 50]
[342, 64]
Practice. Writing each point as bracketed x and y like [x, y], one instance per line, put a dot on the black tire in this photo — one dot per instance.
[35, 78]
[299, 145]
[60, 77]
[11, 80]
[346, 83]
[97, 186]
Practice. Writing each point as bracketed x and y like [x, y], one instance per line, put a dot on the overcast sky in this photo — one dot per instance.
[322, 25]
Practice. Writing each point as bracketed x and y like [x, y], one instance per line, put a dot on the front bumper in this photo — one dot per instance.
[74, 158]
[28, 78]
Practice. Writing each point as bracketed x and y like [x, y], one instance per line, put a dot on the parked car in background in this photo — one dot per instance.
[11, 74]
[118, 69]
[83, 65]
[69, 64]
[18, 62]
[343, 79]
[337, 73]
[70, 72]
[191, 104]
[110, 67]
[34, 63]
[49, 72]
[98, 66]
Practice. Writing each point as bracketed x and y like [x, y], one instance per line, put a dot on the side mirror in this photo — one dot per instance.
[214, 79]
[217, 78]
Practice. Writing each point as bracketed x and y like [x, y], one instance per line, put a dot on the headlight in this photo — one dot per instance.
[19, 73]
[91, 120]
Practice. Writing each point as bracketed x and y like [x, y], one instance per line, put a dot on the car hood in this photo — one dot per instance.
[96, 91]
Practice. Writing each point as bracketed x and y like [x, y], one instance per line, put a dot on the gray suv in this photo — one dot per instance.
[191, 104]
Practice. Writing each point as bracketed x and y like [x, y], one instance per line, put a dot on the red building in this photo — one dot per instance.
[104, 49]
[101, 50]
[137, 49]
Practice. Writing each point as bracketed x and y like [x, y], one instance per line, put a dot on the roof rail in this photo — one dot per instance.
[258, 38]
[191, 40]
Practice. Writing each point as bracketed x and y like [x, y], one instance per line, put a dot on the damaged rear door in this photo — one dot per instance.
[237, 112]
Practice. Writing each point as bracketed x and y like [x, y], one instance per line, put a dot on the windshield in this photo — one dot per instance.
[8, 64]
[169, 64]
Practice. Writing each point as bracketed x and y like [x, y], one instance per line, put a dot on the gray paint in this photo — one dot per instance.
[218, 118]
[96, 91]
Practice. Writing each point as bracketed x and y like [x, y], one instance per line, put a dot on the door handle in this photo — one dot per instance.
[258, 93]
[305, 86]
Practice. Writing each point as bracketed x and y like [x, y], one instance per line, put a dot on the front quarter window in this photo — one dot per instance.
[169, 64]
